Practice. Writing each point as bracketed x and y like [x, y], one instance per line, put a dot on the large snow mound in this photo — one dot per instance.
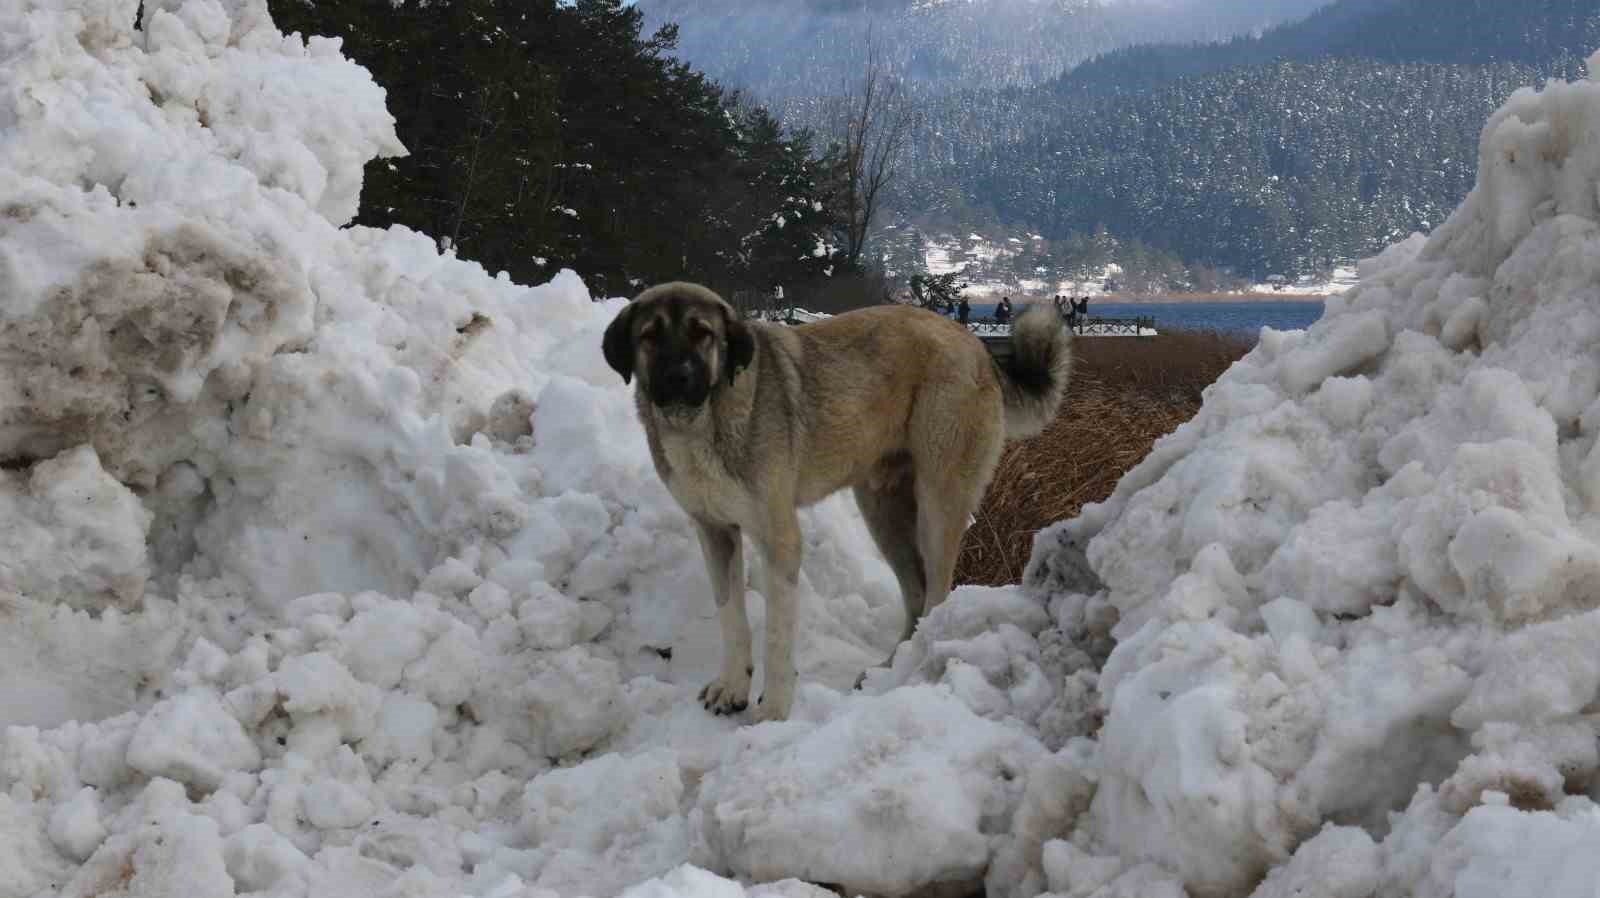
[1353, 602]
[332, 565]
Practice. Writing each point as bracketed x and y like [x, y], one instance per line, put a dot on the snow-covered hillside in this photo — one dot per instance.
[332, 566]
[979, 258]
[799, 49]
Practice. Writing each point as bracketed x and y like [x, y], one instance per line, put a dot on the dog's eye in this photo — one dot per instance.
[647, 336]
[700, 332]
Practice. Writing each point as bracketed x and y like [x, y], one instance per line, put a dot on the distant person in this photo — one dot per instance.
[963, 310]
[1081, 307]
[1071, 305]
[1002, 312]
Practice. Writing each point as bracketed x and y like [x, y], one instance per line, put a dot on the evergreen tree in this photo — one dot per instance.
[544, 135]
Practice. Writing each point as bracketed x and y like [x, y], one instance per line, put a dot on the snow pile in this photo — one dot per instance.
[1354, 601]
[332, 565]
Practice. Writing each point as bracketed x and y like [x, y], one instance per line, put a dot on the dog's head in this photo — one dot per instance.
[682, 340]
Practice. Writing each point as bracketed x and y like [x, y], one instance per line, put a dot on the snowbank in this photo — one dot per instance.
[1353, 601]
[331, 565]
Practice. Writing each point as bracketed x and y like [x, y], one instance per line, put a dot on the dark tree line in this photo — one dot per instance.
[544, 135]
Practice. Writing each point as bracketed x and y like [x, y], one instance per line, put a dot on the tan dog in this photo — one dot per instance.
[749, 422]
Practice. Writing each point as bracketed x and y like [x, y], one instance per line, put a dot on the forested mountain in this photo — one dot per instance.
[1543, 34]
[801, 50]
[1279, 153]
[1282, 168]
[1334, 147]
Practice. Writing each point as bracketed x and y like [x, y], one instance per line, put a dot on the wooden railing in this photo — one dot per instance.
[1139, 326]
[1131, 327]
[994, 334]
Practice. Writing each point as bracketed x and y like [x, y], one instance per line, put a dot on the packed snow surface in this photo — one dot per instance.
[331, 565]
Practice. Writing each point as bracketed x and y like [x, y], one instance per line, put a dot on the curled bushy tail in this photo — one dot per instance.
[1034, 378]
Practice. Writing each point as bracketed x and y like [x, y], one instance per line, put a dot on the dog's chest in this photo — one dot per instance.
[697, 477]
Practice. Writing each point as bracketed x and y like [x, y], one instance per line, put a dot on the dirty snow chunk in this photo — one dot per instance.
[1533, 765]
[76, 827]
[1073, 873]
[1538, 674]
[606, 823]
[1341, 560]
[28, 863]
[1339, 862]
[449, 671]
[572, 438]
[172, 854]
[193, 739]
[1493, 539]
[550, 620]
[332, 805]
[894, 793]
[1056, 794]
[1342, 348]
[574, 701]
[72, 533]
[688, 881]
[383, 637]
[981, 642]
[1178, 765]
[259, 859]
[1287, 618]
[317, 684]
[404, 731]
[1498, 851]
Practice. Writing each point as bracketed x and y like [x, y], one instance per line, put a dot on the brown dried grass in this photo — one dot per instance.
[1126, 393]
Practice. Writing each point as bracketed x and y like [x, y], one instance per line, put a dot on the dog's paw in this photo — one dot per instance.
[722, 696]
[773, 707]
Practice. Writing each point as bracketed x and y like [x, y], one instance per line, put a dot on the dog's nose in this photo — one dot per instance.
[679, 375]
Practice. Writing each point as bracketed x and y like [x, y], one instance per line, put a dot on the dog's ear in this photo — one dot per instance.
[741, 344]
[618, 343]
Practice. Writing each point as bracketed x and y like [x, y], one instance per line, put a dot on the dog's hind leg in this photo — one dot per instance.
[948, 491]
[723, 548]
[888, 503]
[890, 510]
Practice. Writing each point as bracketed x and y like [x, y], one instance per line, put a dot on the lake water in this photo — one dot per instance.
[1242, 318]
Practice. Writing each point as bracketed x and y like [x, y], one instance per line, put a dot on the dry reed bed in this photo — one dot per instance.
[1126, 393]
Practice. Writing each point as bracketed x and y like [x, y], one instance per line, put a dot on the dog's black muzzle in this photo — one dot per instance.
[680, 384]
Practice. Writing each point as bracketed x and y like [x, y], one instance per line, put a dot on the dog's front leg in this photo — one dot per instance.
[724, 553]
[782, 549]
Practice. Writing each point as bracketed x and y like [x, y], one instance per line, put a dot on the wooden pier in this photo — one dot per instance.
[997, 337]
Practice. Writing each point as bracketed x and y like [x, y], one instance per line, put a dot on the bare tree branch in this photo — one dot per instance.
[871, 124]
